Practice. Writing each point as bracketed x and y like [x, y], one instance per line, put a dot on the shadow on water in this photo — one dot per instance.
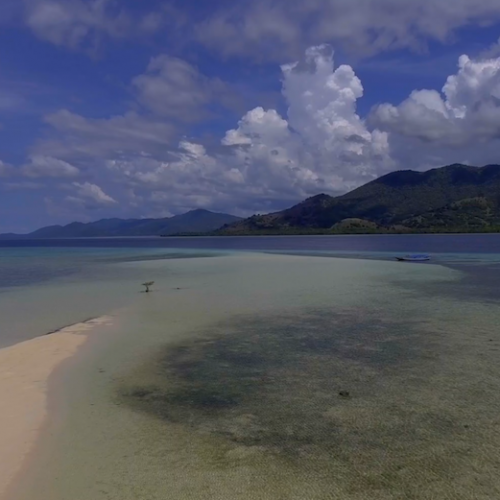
[270, 361]
[347, 397]
[276, 382]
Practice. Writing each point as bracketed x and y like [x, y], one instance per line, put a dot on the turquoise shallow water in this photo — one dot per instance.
[45, 285]
[257, 376]
[24, 266]
[24, 262]
[45, 289]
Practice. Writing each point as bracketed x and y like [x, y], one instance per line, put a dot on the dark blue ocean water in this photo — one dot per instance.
[23, 262]
[439, 243]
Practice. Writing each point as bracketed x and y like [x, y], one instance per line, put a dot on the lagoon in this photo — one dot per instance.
[249, 374]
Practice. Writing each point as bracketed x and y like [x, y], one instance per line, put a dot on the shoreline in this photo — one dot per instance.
[25, 370]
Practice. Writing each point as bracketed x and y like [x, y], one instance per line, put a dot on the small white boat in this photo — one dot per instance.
[414, 258]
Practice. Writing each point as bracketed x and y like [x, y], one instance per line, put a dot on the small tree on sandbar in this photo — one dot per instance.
[147, 285]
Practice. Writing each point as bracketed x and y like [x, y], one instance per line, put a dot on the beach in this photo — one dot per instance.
[254, 376]
[25, 370]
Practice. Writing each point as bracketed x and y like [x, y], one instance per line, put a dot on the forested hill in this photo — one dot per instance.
[452, 198]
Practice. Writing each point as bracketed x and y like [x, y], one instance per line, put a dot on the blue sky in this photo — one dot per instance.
[124, 109]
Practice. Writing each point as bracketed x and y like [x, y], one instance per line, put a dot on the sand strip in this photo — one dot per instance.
[25, 369]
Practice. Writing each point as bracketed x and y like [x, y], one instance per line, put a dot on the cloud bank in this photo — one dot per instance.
[83, 24]
[268, 159]
[273, 29]
[321, 145]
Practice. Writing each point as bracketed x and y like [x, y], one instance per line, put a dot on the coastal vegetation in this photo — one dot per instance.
[451, 199]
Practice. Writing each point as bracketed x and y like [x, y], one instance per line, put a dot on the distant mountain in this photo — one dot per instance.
[196, 221]
[452, 198]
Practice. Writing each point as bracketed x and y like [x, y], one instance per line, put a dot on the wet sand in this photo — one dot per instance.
[261, 377]
[25, 370]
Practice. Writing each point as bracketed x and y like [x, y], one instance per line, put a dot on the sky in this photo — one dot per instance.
[119, 108]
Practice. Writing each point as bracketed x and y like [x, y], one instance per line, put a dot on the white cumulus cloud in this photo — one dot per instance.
[321, 145]
[462, 122]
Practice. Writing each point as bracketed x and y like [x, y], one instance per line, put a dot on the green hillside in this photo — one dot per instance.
[451, 198]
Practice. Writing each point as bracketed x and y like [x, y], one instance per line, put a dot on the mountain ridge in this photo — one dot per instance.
[456, 197]
[198, 220]
[453, 198]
